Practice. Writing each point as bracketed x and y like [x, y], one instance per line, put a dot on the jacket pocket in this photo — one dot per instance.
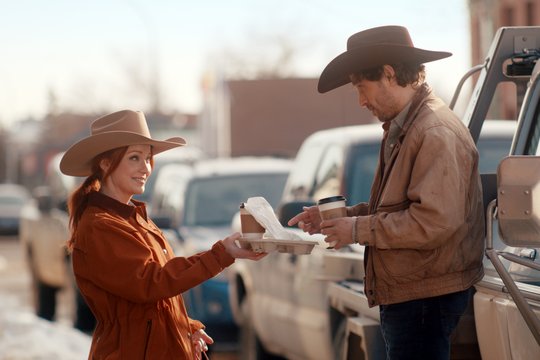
[147, 338]
[406, 265]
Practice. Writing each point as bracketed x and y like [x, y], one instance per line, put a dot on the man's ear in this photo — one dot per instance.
[388, 72]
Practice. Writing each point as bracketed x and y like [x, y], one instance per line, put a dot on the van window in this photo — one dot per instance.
[328, 176]
[363, 160]
[300, 182]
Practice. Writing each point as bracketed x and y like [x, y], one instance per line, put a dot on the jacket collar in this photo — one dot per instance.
[423, 92]
[103, 201]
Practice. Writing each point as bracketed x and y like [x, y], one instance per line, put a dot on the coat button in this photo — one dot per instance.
[165, 251]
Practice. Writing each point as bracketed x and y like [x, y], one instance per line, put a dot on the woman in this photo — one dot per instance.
[124, 267]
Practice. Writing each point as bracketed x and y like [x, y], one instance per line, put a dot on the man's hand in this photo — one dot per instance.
[308, 220]
[339, 231]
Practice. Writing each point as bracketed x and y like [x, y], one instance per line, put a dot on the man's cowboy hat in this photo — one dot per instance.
[121, 128]
[372, 48]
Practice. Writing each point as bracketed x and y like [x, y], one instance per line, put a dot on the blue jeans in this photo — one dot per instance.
[421, 329]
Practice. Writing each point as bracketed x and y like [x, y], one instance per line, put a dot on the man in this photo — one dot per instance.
[423, 226]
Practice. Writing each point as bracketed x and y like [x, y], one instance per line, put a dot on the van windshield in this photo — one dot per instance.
[214, 201]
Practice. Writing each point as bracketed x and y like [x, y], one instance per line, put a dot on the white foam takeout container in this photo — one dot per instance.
[296, 247]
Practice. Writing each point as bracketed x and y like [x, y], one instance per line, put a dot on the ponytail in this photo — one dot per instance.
[78, 201]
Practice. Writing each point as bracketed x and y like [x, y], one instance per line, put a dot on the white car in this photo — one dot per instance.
[282, 302]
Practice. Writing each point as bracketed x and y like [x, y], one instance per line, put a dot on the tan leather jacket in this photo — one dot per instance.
[132, 281]
[424, 224]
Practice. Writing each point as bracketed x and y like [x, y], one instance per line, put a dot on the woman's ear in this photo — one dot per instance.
[104, 164]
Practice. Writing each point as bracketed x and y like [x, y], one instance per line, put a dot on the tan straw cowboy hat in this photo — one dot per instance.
[372, 48]
[118, 129]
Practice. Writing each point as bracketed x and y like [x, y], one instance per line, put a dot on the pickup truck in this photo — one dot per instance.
[313, 307]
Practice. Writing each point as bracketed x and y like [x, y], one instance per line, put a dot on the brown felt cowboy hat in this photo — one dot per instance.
[371, 48]
[118, 129]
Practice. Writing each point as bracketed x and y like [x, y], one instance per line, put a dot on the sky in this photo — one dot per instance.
[101, 55]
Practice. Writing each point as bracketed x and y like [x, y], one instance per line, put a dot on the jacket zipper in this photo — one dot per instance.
[147, 340]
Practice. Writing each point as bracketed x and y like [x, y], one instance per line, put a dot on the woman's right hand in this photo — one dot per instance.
[308, 220]
[237, 252]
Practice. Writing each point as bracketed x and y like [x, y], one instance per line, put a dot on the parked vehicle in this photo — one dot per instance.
[44, 232]
[212, 197]
[13, 198]
[167, 199]
[282, 300]
[183, 155]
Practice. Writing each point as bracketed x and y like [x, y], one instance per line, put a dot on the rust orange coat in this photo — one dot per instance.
[132, 281]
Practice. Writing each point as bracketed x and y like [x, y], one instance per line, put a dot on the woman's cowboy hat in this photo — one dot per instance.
[371, 48]
[121, 128]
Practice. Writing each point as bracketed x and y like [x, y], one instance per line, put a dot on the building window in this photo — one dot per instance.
[507, 16]
[530, 13]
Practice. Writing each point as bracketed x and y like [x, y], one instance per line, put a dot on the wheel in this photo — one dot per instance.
[339, 339]
[250, 345]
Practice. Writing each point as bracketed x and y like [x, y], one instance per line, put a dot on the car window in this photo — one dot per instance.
[12, 200]
[214, 201]
[328, 176]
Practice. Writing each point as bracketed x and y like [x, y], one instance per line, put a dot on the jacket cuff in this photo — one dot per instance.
[223, 257]
[364, 233]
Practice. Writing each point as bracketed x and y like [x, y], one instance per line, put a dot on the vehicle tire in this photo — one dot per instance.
[250, 345]
[339, 339]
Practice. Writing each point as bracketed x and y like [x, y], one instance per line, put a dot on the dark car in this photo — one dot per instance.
[212, 198]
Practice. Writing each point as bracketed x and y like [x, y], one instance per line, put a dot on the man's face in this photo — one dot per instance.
[378, 97]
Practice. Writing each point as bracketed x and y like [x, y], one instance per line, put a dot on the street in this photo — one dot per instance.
[16, 299]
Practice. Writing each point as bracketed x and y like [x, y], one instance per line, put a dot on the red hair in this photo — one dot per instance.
[78, 200]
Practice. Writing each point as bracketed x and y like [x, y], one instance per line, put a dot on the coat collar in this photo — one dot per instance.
[101, 200]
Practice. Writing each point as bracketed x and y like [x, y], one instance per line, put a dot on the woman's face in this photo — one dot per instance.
[130, 177]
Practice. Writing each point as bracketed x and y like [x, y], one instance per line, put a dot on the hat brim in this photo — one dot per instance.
[77, 160]
[337, 72]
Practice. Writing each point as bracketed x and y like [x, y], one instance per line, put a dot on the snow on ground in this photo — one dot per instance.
[24, 336]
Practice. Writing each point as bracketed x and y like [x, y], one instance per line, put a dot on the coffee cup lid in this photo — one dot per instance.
[331, 199]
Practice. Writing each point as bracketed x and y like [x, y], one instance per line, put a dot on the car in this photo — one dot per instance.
[282, 303]
[13, 198]
[46, 256]
[212, 197]
[167, 199]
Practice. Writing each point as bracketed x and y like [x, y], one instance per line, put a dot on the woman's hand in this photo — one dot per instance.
[237, 252]
[200, 339]
[308, 220]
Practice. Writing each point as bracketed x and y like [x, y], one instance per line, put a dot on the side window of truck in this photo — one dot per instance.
[300, 182]
[328, 176]
[362, 160]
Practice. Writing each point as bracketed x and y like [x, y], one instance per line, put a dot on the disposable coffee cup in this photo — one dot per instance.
[251, 229]
[331, 208]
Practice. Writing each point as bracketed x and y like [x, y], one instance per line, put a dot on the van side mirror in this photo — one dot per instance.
[290, 209]
[518, 201]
